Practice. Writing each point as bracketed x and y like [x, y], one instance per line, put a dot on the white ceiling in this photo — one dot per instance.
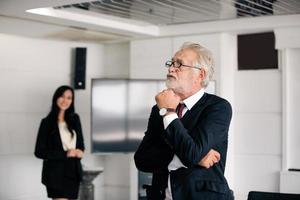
[167, 12]
[115, 20]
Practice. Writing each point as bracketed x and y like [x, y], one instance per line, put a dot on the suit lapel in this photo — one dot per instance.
[188, 119]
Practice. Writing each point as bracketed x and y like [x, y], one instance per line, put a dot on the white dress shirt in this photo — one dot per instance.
[67, 140]
[176, 163]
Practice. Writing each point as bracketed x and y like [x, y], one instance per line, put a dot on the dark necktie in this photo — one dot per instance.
[179, 109]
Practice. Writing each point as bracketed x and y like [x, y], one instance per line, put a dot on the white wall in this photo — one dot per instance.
[148, 57]
[292, 108]
[116, 60]
[31, 69]
[257, 131]
[288, 42]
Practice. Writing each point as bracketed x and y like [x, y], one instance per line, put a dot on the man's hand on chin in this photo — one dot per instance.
[167, 99]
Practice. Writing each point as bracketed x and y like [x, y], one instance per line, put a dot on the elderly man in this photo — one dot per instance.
[185, 144]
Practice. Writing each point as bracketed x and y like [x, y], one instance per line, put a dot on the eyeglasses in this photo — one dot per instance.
[177, 64]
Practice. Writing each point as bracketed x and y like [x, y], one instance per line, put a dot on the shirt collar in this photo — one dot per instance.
[192, 100]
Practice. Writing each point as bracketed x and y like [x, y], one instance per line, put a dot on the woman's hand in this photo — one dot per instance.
[75, 153]
[72, 153]
[79, 153]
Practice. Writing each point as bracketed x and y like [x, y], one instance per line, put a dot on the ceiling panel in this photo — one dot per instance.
[168, 12]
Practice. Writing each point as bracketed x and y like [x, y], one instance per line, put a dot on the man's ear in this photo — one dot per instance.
[202, 74]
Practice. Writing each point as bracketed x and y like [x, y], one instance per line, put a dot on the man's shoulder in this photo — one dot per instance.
[155, 108]
[215, 99]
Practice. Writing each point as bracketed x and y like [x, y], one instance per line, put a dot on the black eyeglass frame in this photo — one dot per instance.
[169, 63]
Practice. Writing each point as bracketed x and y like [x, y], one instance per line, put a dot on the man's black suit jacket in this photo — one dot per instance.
[202, 128]
[56, 165]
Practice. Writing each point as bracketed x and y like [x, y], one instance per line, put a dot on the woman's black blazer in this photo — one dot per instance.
[57, 167]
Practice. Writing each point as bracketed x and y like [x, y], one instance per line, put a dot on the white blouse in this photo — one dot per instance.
[68, 141]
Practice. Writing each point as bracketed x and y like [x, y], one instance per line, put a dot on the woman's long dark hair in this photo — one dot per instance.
[69, 113]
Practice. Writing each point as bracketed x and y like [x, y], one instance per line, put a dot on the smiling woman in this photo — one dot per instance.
[60, 144]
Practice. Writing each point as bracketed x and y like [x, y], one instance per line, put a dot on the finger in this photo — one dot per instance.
[207, 165]
[216, 153]
[211, 152]
[215, 159]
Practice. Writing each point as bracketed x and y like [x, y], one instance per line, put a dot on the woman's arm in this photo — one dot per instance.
[42, 147]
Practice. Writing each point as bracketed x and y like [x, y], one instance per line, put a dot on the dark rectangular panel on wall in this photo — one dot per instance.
[257, 51]
[80, 68]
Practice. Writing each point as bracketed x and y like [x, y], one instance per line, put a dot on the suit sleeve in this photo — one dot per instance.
[211, 130]
[80, 143]
[153, 154]
[42, 147]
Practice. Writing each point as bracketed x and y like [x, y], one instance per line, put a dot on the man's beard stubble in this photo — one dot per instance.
[178, 88]
[173, 85]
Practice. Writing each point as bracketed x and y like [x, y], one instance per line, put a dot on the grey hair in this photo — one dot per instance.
[204, 60]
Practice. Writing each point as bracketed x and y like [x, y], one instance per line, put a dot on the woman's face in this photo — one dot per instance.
[64, 101]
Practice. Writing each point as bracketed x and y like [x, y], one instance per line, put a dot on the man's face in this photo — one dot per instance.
[184, 80]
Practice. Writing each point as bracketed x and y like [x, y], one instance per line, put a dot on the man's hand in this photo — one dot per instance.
[167, 99]
[210, 159]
